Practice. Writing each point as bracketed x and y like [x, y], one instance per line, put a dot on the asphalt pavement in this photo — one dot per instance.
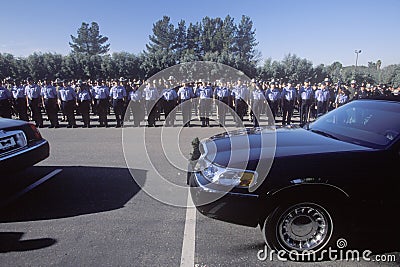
[99, 208]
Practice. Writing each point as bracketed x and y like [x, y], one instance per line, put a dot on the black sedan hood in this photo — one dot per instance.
[8, 123]
[234, 149]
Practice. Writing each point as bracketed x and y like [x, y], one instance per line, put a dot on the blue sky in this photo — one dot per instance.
[321, 31]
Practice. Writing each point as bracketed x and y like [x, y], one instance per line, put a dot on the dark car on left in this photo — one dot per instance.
[21, 145]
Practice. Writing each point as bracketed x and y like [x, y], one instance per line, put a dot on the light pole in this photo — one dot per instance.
[357, 52]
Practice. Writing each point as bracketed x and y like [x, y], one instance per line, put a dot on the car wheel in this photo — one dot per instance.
[301, 227]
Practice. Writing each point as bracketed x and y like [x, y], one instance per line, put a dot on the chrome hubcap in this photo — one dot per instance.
[304, 227]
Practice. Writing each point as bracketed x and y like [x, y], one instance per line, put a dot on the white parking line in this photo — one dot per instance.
[189, 235]
[30, 187]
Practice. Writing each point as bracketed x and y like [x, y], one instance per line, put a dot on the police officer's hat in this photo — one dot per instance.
[79, 82]
[306, 80]
[353, 82]
[253, 80]
[122, 79]
[170, 78]
[58, 80]
[326, 80]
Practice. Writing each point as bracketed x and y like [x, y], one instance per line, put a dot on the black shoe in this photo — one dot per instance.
[69, 126]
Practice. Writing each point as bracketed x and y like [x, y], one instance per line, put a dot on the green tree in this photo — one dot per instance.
[163, 37]
[244, 47]
[89, 41]
[193, 43]
[7, 64]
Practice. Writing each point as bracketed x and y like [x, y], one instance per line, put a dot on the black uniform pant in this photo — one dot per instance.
[222, 106]
[102, 109]
[84, 109]
[137, 110]
[168, 106]
[119, 108]
[34, 105]
[186, 107]
[257, 107]
[322, 107]
[5, 108]
[69, 111]
[94, 107]
[22, 108]
[305, 110]
[274, 105]
[151, 110]
[240, 108]
[205, 111]
[51, 111]
[287, 110]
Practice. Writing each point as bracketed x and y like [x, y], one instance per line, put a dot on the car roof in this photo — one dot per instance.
[386, 98]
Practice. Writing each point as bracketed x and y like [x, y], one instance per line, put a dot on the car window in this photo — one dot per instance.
[370, 123]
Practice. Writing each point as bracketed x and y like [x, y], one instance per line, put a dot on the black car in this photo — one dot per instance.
[21, 145]
[321, 180]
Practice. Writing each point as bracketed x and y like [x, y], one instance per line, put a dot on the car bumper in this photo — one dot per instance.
[26, 157]
[237, 208]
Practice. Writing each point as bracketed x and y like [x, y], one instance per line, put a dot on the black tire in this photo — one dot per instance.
[303, 227]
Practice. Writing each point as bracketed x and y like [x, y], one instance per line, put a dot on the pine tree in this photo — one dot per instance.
[89, 41]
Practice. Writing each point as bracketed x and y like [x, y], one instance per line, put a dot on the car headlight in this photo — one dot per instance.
[229, 176]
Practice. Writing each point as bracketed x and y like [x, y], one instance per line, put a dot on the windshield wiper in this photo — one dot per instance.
[324, 134]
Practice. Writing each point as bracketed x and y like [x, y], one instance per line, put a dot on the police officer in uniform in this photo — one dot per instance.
[240, 93]
[205, 94]
[33, 92]
[289, 95]
[341, 98]
[136, 106]
[50, 102]
[332, 94]
[306, 97]
[361, 93]
[322, 96]
[353, 89]
[101, 94]
[222, 95]
[257, 103]
[67, 96]
[151, 97]
[118, 95]
[169, 100]
[273, 96]
[21, 105]
[84, 102]
[185, 94]
[5, 105]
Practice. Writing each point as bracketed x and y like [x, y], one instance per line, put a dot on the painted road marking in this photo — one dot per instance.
[189, 235]
[30, 187]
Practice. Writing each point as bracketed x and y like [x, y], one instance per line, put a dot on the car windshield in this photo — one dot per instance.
[365, 122]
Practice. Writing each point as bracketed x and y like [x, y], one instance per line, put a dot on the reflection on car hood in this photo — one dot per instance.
[7, 123]
[265, 143]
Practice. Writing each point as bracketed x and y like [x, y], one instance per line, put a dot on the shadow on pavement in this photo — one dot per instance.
[75, 191]
[11, 241]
